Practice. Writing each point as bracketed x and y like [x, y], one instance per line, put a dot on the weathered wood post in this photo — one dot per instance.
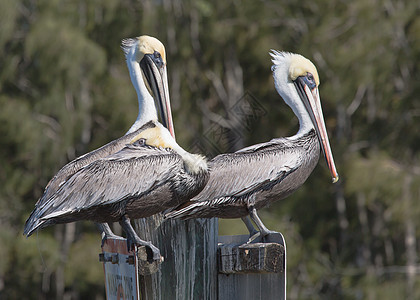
[195, 266]
[252, 271]
[189, 248]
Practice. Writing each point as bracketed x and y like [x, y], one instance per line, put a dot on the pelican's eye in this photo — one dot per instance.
[140, 142]
[310, 76]
[309, 80]
[156, 54]
[157, 58]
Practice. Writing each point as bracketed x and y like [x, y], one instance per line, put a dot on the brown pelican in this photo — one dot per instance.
[251, 178]
[137, 175]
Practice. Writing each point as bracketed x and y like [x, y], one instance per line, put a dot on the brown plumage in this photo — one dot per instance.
[252, 178]
[137, 181]
[137, 175]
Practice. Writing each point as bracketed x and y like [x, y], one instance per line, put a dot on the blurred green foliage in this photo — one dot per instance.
[65, 90]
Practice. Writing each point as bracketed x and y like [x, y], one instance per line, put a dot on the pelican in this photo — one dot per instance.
[242, 182]
[135, 176]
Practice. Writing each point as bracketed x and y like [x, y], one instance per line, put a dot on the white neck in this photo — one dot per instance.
[288, 92]
[147, 108]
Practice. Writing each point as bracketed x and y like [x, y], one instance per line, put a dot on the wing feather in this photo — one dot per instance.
[240, 173]
[236, 177]
[131, 172]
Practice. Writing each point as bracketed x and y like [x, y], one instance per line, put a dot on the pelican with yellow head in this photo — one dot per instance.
[140, 174]
[242, 182]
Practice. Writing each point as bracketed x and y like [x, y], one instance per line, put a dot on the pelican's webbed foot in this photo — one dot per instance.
[263, 231]
[134, 239]
[106, 232]
[253, 233]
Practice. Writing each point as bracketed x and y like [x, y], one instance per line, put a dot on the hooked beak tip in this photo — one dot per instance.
[335, 179]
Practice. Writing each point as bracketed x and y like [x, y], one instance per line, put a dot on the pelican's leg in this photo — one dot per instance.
[106, 232]
[253, 233]
[263, 230]
[133, 238]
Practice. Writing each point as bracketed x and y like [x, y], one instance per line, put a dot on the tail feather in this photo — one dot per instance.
[38, 219]
[185, 211]
[33, 224]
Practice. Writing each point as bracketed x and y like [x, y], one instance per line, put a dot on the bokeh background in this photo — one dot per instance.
[65, 90]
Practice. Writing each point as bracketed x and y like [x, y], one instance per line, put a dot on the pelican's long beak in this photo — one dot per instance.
[154, 70]
[310, 98]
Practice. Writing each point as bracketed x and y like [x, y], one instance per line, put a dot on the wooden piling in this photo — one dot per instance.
[189, 249]
[200, 265]
[251, 271]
